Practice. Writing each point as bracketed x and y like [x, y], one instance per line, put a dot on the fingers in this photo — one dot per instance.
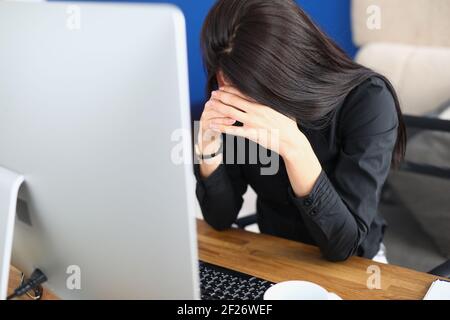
[222, 122]
[227, 111]
[212, 114]
[232, 98]
[236, 92]
[247, 133]
[229, 105]
[209, 113]
[230, 130]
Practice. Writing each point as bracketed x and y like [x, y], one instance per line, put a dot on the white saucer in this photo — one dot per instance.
[299, 290]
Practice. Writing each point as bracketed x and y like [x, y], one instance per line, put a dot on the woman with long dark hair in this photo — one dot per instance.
[338, 127]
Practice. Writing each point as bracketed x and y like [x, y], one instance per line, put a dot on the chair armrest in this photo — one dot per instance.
[242, 223]
[416, 124]
[442, 271]
[426, 169]
[427, 123]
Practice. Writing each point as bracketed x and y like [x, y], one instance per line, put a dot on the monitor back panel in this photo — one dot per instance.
[93, 107]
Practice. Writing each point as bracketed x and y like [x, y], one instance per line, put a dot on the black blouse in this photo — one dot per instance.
[340, 215]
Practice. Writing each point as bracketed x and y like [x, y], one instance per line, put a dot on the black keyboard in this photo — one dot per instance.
[217, 283]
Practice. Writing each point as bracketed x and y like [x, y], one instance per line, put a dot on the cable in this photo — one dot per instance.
[35, 280]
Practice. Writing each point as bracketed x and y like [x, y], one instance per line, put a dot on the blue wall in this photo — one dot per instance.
[333, 16]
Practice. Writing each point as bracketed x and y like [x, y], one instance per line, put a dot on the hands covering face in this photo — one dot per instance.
[261, 124]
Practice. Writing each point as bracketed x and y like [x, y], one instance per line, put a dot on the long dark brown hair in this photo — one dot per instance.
[274, 53]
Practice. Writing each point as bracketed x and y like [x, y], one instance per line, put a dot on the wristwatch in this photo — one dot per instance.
[207, 156]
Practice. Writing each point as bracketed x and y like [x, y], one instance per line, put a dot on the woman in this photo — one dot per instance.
[339, 128]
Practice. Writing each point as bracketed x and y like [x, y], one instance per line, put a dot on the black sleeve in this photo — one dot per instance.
[220, 195]
[343, 205]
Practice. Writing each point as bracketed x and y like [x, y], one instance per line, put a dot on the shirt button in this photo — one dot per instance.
[307, 202]
[313, 213]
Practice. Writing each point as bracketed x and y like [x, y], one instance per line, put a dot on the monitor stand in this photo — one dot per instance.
[10, 183]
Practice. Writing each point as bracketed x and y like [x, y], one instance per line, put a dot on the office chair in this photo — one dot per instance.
[426, 136]
[414, 54]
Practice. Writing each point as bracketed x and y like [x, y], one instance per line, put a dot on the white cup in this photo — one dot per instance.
[298, 290]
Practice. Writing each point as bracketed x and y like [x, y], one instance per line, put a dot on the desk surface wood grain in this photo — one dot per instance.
[276, 260]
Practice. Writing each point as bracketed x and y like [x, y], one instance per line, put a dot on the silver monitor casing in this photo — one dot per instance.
[91, 110]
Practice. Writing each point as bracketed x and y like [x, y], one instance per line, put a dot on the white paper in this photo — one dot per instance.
[439, 290]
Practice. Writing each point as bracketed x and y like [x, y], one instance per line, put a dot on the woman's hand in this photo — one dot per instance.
[261, 124]
[209, 141]
[270, 129]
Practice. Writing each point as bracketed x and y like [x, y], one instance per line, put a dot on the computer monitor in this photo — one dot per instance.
[94, 113]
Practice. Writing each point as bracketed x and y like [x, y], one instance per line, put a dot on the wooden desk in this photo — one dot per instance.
[278, 260]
